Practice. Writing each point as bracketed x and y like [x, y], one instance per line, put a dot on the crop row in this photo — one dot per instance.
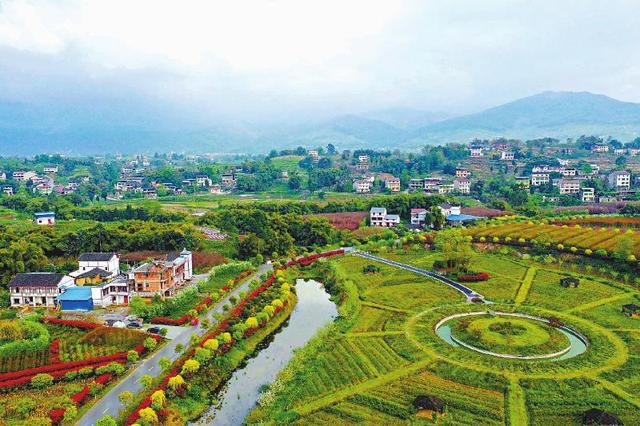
[583, 238]
[378, 353]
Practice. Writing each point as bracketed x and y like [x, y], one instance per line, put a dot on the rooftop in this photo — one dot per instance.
[76, 293]
[36, 279]
[96, 257]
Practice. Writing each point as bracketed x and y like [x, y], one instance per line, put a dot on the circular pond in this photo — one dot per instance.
[511, 335]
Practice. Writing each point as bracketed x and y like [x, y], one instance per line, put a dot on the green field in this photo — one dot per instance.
[383, 353]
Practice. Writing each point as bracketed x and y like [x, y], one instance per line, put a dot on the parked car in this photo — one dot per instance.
[153, 330]
[134, 324]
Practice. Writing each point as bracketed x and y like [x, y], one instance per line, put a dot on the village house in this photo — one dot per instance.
[604, 199]
[392, 184]
[523, 182]
[619, 151]
[448, 209]
[150, 193]
[444, 188]
[539, 179]
[362, 186]
[588, 195]
[23, 176]
[568, 186]
[228, 179]
[163, 276]
[7, 190]
[633, 151]
[203, 181]
[37, 288]
[215, 189]
[363, 159]
[620, 181]
[378, 217]
[507, 155]
[107, 262]
[462, 185]
[600, 148]
[416, 184]
[50, 169]
[313, 153]
[431, 184]
[3, 176]
[462, 172]
[476, 151]
[568, 172]
[44, 188]
[44, 218]
[284, 174]
[418, 217]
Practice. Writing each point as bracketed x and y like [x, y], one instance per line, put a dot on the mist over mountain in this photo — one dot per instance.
[27, 129]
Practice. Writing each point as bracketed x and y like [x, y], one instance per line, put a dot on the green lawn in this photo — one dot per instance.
[546, 291]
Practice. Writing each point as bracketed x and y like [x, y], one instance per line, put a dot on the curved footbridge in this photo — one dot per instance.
[470, 294]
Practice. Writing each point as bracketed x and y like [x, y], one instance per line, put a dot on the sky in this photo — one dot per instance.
[296, 59]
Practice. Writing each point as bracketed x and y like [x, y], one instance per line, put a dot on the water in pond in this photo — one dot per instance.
[313, 311]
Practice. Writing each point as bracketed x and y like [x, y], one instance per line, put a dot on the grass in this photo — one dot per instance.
[546, 291]
[369, 370]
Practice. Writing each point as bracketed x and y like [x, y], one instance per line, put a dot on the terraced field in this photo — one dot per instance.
[372, 371]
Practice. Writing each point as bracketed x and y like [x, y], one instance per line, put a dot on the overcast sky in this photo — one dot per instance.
[270, 59]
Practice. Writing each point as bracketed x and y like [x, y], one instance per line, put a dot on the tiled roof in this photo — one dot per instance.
[36, 279]
[96, 257]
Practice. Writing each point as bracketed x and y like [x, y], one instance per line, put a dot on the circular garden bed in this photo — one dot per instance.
[509, 335]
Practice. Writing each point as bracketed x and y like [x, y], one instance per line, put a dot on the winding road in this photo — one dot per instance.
[469, 293]
[109, 404]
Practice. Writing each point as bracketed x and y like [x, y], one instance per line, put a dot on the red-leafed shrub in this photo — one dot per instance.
[481, 276]
[56, 416]
[71, 323]
[54, 351]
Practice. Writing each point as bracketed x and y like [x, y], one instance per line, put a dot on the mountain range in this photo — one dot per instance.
[26, 129]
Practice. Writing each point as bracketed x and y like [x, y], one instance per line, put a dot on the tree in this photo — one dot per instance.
[149, 343]
[190, 366]
[41, 381]
[331, 149]
[146, 381]
[106, 421]
[158, 399]
[164, 363]
[125, 398]
[456, 250]
[148, 415]
[211, 344]
[252, 322]
[176, 384]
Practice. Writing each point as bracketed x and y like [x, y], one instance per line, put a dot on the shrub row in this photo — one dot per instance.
[71, 323]
[480, 276]
[222, 326]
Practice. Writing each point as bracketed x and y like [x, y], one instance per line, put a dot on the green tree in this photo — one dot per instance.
[106, 421]
[456, 249]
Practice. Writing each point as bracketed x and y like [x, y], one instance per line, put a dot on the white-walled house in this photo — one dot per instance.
[108, 262]
[378, 217]
[38, 288]
[44, 218]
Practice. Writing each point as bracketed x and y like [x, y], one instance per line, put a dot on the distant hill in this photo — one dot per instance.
[128, 127]
[557, 114]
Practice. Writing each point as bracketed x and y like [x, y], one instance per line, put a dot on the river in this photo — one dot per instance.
[313, 311]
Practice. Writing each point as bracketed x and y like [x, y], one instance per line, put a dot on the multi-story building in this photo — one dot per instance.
[568, 186]
[392, 184]
[161, 277]
[462, 185]
[23, 176]
[378, 217]
[418, 217]
[313, 153]
[568, 171]
[445, 188]
[416, 184]
[476, 151]
[507, 155]
[203, 181]
[431, 184]
[539, 179]
[588, 195]
[462, 172]
[620, 181]
[108, 262]
[363, 159]
[51, 169]
[38, 288]
[228, 179]
[362, 186]
[600, 148]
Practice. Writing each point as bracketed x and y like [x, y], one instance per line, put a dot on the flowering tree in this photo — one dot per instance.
[190, 366]
[158, 399]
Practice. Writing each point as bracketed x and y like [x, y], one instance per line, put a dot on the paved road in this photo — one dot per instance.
[109, 404]
[456, 285]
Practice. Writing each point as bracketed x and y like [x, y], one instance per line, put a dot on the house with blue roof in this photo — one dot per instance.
[76, 299]
[44, 218]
